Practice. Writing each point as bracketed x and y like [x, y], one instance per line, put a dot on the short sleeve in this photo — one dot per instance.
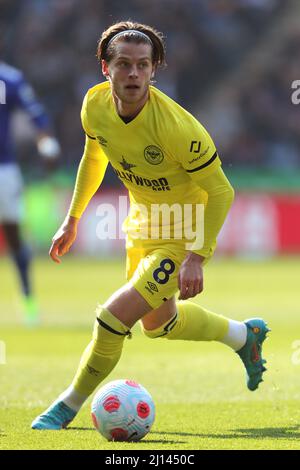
[195, 149]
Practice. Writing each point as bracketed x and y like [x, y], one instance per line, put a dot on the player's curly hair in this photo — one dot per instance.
[106, 47]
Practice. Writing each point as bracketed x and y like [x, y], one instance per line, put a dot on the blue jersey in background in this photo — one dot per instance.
[18, 94]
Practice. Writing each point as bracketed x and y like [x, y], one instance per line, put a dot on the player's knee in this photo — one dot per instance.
[108, 326]
[162, 331]
[152, 334]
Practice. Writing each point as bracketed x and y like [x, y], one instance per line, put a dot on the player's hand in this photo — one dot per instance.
[63, 239]
[190, 276]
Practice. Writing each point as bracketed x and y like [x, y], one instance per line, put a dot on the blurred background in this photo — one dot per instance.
[230, 62]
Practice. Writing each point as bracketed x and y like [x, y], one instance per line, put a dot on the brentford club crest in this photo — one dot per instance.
[153, 155]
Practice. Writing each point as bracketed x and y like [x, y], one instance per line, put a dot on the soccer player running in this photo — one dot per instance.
[163, 155]
[17, 93]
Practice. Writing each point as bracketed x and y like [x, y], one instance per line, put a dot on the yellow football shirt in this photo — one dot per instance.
[161, 156]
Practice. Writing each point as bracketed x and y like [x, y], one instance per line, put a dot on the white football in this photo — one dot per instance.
[123, 410]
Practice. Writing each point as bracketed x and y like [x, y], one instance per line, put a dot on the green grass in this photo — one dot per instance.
[198, 388]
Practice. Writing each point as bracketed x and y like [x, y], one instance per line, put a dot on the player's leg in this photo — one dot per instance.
[156, 280]
[187, 320]
[160, 316]
[10, 216]
[151, 288]
[19, 253]
[112, 326]
[114, 320]
[192, 322]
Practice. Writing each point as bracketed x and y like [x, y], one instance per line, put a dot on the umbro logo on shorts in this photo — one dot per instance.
[152, 286]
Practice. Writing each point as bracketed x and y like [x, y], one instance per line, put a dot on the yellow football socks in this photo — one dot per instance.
[192, 322]
[102, 353]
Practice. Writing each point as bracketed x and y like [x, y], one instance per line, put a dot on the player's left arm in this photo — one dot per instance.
[201, 161]
[220, 197]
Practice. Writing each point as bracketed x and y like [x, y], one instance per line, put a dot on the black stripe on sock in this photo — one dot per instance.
[168, 327]
[109, 328]
[174, 319]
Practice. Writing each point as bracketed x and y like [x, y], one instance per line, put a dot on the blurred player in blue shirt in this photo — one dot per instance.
[16, 93]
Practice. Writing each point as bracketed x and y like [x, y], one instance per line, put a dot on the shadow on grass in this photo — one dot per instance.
[290, 432]
[157, 441]
[79, 429]
[148, 441]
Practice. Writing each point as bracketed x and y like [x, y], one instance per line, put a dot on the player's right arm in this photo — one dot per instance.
[90, 174]
[89, 177]
[64, 238]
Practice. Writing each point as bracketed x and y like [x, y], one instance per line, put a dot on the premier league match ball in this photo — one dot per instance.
[123, 410]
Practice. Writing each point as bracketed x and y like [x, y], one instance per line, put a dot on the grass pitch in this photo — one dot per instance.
[199, 388]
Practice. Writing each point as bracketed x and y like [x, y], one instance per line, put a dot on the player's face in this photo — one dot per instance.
[130, 71]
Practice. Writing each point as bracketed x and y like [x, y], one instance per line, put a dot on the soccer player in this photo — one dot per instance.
[163, 155]
[17, 93]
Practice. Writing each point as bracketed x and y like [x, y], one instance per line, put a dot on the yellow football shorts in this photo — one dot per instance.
[153, 271]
